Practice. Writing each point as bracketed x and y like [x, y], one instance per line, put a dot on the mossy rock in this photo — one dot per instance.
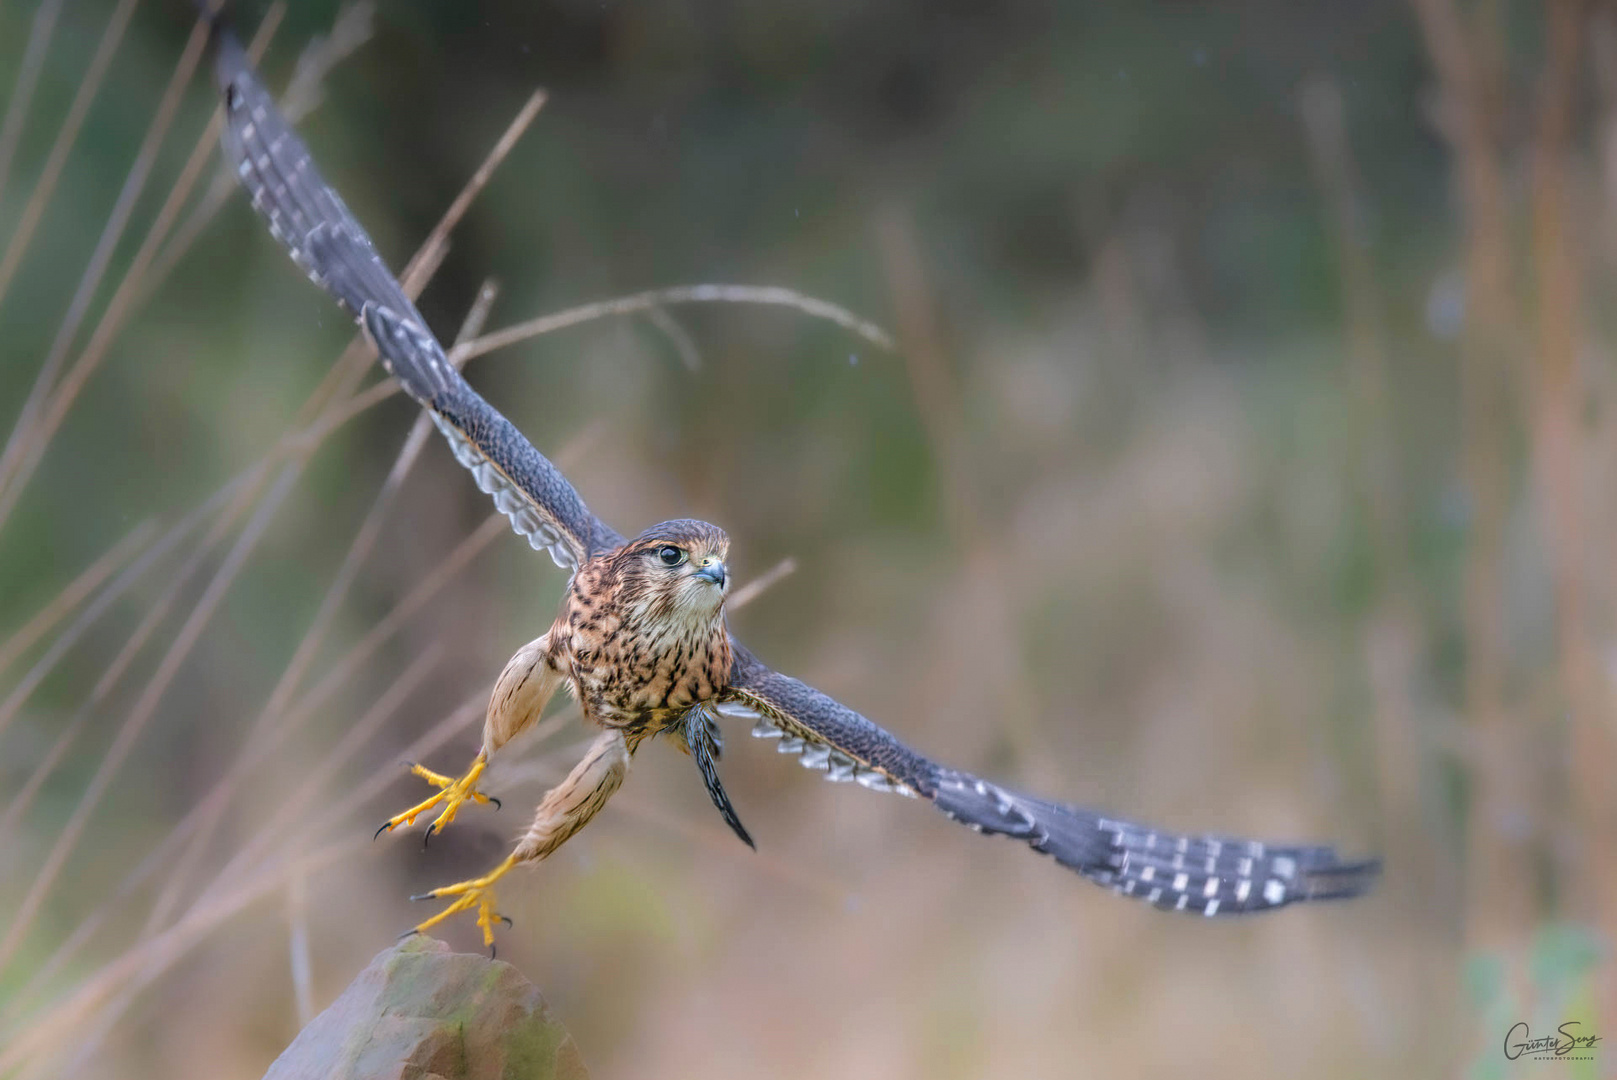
[421, 1012]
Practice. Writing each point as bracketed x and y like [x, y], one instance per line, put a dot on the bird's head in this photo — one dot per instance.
[675, 570]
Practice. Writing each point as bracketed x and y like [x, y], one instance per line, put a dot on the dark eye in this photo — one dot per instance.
[670, 555]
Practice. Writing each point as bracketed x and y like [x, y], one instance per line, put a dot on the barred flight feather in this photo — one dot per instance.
[316, 227]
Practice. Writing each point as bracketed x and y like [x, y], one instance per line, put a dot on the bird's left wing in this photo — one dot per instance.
[1206, 875]
[312, 223]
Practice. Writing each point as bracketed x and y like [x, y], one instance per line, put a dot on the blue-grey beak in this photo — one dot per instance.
[713, 572]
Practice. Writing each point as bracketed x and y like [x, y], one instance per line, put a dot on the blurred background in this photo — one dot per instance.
[1242, 463]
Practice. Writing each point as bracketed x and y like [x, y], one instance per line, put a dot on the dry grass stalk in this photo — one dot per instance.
[347, 371]
[22, 91]
[101, 258]
[652, 299]
[297, 668]
[1397, 634]
[1558, 394]
[237, 514]
[72, 595]
[66, 136]
[1465, 49]
[32, 433]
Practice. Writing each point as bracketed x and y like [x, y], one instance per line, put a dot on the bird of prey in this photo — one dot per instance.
[641, 639]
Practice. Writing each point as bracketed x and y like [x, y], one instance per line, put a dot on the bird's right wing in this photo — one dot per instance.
[1205, 875]
[310, 220]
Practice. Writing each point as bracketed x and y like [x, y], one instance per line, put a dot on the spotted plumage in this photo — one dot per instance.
[641, 641]
[641, 638]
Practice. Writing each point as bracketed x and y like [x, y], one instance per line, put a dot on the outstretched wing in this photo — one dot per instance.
[1207, 875]
[311, 222]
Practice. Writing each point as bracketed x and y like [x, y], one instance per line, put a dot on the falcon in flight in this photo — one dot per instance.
[641, 640]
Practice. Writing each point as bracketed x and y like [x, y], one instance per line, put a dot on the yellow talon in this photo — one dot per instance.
[478, 893]
[452, 795]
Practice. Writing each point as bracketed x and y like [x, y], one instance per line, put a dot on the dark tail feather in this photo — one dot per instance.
[1205, 875]
[701, 736]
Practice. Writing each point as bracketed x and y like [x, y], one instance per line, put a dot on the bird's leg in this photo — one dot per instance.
[452, 795]
[520, 695]
[564, 810]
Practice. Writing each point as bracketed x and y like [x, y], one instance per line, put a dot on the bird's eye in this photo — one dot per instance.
[670, 555]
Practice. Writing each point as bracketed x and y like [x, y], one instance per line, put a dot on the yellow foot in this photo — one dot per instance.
[478, 893]
[452, 795]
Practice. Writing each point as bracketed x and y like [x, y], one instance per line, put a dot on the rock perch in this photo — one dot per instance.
[421, 1012]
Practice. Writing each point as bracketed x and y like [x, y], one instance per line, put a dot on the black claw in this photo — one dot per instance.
[426, 837]
[496, 802]
[491, 950]
[386, 825]
[408, 933]
[506, 919]
[408, 764]
[433, 895]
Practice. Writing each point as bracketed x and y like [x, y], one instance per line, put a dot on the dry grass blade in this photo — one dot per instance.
[66, 136]
[40, 1037]
[37, 1037]
[926, 360]
[28, 441]
[677, 336]
[72, 595]
[22, 91]
[144, 709]
[353, 27]
[652, 299]
[158, 859]
[111, 232]
[755, 588]
[626, 305]
[113, 672]
[412, 278]
[331, 404]
[337, 387]
[277, 825]
[939, 403]
[224, 789]
[297, 945]
[47, 662]
[365, 538]
[1557, 419]
[63, 1025]
[292, 677]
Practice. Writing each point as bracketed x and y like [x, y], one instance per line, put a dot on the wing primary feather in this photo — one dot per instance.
[1203, 875]
[316, 227]
[803, 713]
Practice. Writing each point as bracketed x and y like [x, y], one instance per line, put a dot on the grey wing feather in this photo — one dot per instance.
[311, 221]
[824, 733]
[1205, 875]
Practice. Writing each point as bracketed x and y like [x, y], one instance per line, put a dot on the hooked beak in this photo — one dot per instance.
[713, 572]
